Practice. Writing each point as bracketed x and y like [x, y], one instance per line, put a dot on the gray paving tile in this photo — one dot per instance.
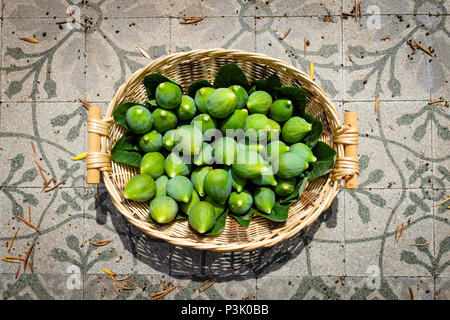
[52, 69]
[112, 55]
[325, 49]
[57, 130]
[371, 230]
[296, 8]
[385, 68]
[441, 241]
[439, 42]
[389, 288]
[34, 9]
[59, 217]
[395, 144]
[218, 288]
[442, 291]
[441, 149]
[238, 34]
[198, 8]
[100, 286]
[327, 248]
[300, 288]
[134, 8]
[40, 287]
[389, 7]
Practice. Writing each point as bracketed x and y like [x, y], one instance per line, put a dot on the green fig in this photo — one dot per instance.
[152, 163]
[218, 207]
[217, 185]
[275, 148]
[168, 95]
[285, 187]
[204, 122]
[281, 110]
[140, 187]
[247, 145]
[264, 199]
[139, 119]
[273, 133]
[198, 178]
[266, 179]
[221, 103]
[164, 120]
[259, 102]
[249, 164]
[237, 183]
[202, 217]
[185, 207]
[201, 97]
[163, 209]
[205, 156]
[224, 151]
[290, 165]
[295, 129]
[257, 126]
[186, 110]
[241, 95]
[161, 184]
[190, 139]
[168, 140]
[175, 166]
[151, 141]
[235, 121]
[240, 203]
[303, 151]
[180, 189]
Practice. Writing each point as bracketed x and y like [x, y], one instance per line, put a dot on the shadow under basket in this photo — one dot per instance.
[186, 68]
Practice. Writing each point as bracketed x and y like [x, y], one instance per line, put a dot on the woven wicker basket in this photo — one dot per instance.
[186, 68]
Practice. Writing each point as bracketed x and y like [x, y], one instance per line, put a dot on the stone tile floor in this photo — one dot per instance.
[350, 252]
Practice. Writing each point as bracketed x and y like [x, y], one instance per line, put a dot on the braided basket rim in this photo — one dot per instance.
[321, 203]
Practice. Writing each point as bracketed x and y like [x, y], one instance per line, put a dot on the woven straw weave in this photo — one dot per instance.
[186, 68]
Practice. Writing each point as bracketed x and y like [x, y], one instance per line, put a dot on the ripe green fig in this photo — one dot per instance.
[240, 202]
[140, 187]
[259, 102]
[180, 189]
[168, 95]
[150, 142]
[139, 119]
[152, 163]
[201, 217]
[163, 209]
[221, 103]
[264, 199]
[217, 185]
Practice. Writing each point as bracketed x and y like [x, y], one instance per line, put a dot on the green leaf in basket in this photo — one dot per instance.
[120, 113]
[230, 74]
[125, 151]
[279, 213]
[313, 136]
[245, 219]
[297, 193]
[194, 86]
[326, 156]
[219, 225]
[151, 81]
[269, 85]
[296, 95]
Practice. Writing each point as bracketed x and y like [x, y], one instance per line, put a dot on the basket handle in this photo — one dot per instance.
[347, 167]
[97, 159]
